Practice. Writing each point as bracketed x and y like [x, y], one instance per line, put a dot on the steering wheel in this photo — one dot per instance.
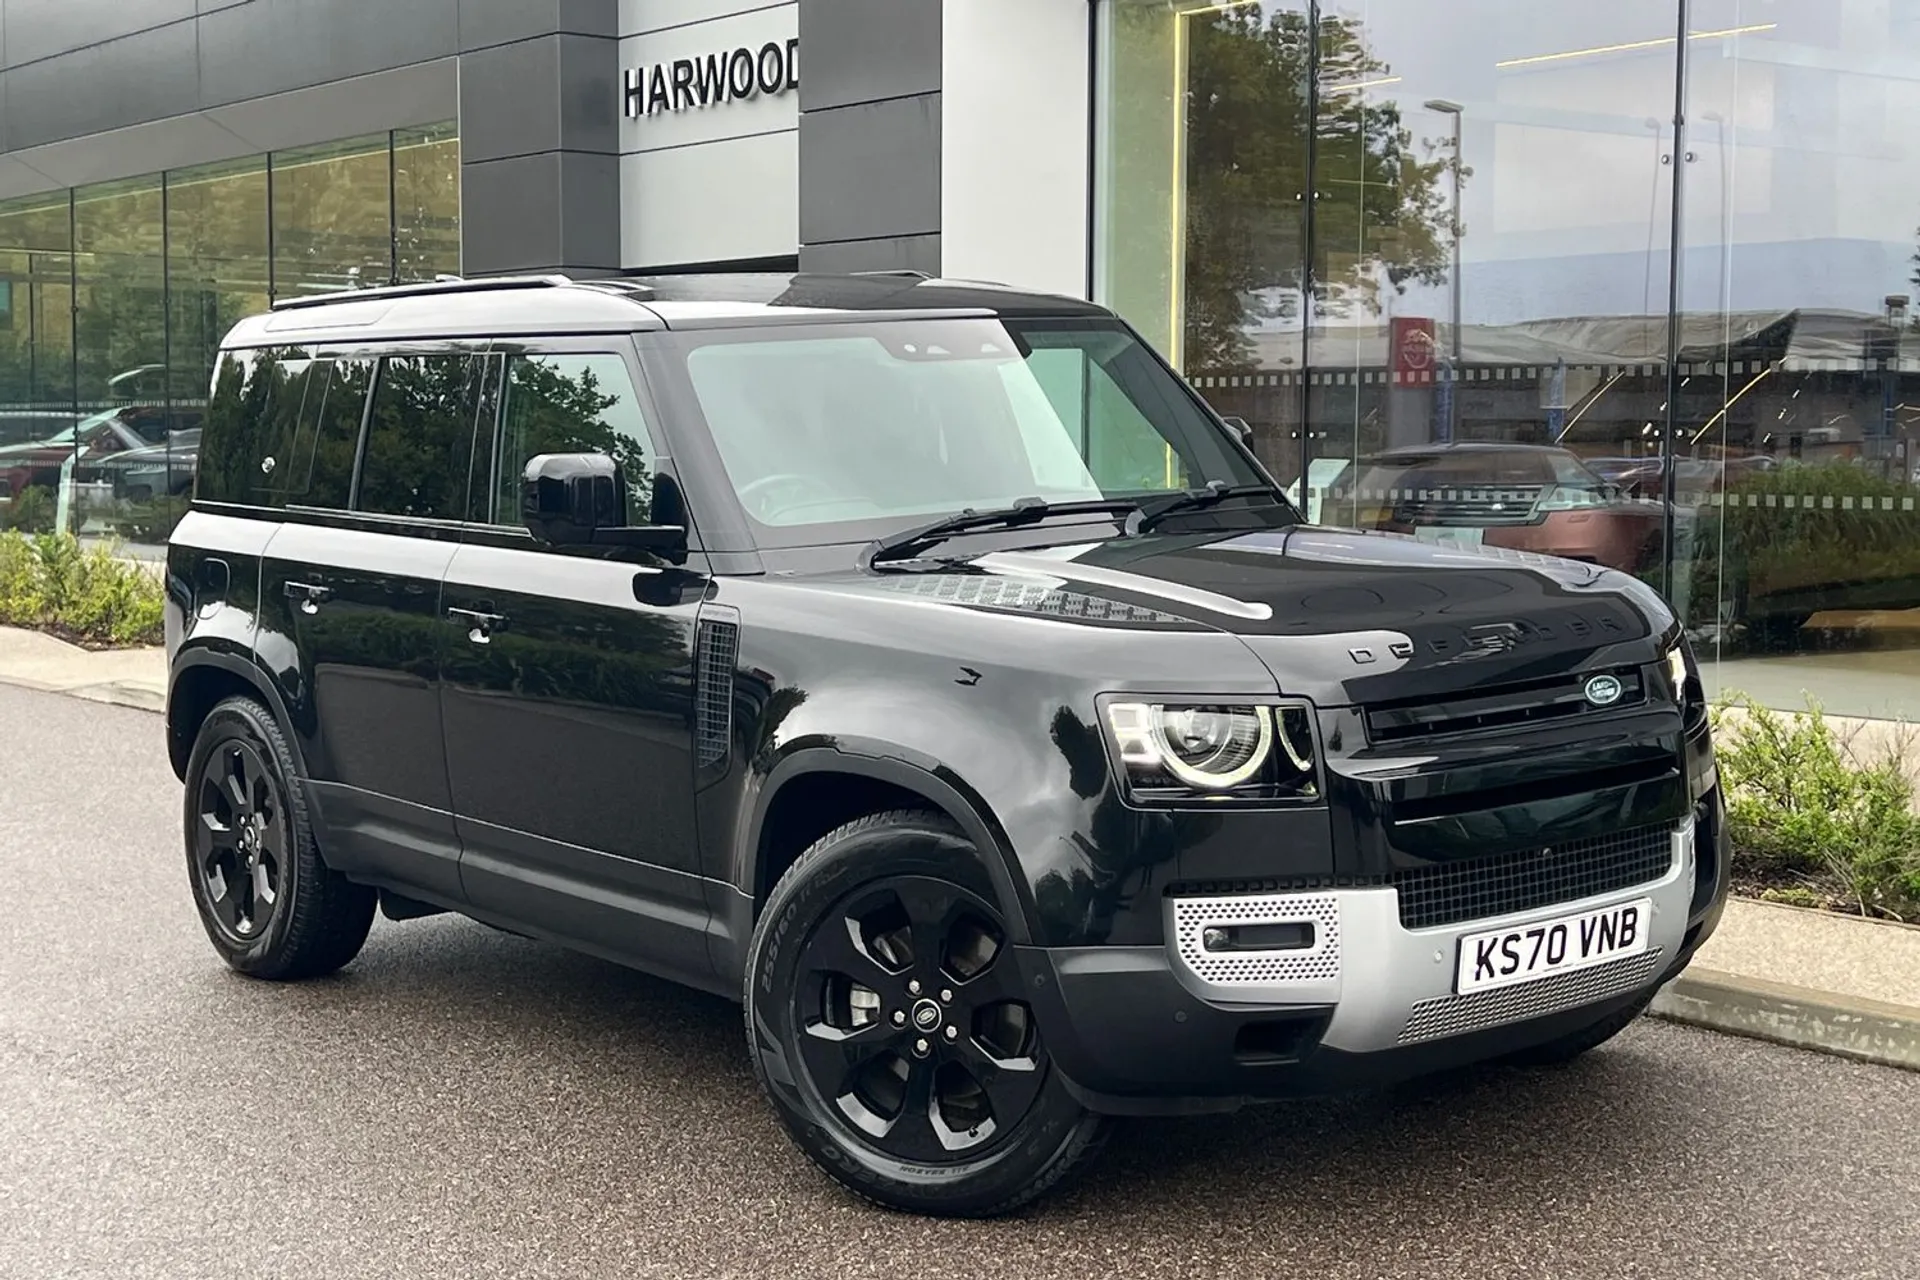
[759, 494]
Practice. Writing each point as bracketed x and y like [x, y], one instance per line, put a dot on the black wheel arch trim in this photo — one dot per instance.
[911, 771]
[242, 664]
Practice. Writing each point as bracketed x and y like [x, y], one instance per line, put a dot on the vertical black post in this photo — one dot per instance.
[1668, 488]
[273, 288]
[1309, 198]
[166, 319]
[393, 211]
[73, 331]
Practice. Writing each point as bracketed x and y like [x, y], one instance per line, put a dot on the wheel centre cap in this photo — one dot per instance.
[926, 1016]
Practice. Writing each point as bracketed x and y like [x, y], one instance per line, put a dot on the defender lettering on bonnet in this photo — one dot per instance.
[808, 647]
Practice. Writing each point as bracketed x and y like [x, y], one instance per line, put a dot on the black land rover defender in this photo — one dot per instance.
[924, 665]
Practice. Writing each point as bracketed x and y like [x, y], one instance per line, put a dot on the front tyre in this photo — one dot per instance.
[888, 1024]
[271, 907]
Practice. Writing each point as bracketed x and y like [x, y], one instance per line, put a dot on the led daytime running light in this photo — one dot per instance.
[1141, 731]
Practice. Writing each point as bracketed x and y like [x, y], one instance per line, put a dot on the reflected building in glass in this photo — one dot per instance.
[1636, 283]
[120, 293]
[1458, 269]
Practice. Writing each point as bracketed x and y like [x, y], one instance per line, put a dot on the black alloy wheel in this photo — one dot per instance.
[240, 840]
[271, 906]
[914, 1026]
[889, 1025]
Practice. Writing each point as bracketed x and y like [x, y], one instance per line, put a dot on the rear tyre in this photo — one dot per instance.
[1568, 1047]
[270, 905]
[888, 1024]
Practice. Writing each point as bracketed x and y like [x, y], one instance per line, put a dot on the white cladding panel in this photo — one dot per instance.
[1014, 128]
[716, 182]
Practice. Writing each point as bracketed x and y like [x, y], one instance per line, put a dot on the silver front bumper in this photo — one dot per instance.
[1392, 986]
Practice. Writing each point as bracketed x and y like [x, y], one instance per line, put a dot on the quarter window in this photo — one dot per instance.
[251, 418]
[570, 404]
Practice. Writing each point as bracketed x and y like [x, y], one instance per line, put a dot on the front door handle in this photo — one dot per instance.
[480, 624]
[311, 595]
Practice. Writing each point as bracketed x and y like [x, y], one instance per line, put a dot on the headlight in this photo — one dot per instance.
[1171, 750]
[1679, 669]
[1570, 498]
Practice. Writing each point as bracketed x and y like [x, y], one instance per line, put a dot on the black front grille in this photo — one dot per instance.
[1477, 506]
[1478, 888]
[1505, 707]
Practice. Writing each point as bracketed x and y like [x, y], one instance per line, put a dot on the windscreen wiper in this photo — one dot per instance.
[907, 545]
[1217, 491]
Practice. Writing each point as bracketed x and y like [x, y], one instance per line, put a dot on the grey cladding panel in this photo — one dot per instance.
[510, 100]
[870, 171]
[105, 86]
[899, 253]
[543, 212]
[41, 28]
[251, 50]
[491, 22]
[545, 94]
[589, 94]
[864, 50]
[589, 210]
[510, 214]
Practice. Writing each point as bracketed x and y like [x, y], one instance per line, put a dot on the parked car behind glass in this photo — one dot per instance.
[1524, 497]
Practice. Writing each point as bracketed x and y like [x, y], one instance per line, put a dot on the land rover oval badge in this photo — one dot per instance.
[1604, 691]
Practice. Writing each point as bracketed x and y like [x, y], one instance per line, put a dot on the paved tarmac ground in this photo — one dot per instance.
[463, 1103]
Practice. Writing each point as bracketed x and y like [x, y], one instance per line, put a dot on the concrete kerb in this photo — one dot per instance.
[1824, 1021]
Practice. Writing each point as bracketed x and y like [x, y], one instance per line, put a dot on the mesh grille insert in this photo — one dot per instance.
[719, 647]
[1478, 888]
[1457, 1015]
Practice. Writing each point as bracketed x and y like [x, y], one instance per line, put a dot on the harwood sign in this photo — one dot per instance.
[713, 80]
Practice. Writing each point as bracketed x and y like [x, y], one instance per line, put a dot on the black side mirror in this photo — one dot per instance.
[580, 499]
[1240, 428]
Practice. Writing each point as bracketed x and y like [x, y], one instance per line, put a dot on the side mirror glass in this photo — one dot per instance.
[580, 499]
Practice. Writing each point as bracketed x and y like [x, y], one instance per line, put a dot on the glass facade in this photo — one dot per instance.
[114, 298]
[1458, 271]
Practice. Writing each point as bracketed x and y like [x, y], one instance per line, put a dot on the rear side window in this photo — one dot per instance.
[314, 467]
[420, 437]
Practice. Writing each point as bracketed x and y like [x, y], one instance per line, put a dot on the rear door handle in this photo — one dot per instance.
[311, 595]
[480, 624]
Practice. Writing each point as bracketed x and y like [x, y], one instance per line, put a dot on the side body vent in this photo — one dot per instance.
[716, 653]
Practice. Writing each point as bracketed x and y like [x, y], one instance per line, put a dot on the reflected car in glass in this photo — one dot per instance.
[1524, 497]
[925, 666]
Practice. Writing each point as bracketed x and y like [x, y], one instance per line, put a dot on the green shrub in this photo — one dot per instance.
[51, 582]
[1801, 806]
[31, 510]
[1848, 542]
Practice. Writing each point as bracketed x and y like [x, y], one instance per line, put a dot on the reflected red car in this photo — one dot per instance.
[1524, 497]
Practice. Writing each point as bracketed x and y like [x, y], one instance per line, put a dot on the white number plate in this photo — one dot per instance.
[1502, 957]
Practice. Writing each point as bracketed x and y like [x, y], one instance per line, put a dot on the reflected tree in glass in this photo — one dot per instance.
[1380, 209]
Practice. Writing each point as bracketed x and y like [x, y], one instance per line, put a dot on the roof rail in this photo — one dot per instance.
[439, 285]
[904, 273]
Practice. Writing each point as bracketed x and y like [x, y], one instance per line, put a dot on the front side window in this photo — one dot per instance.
[838, 427]
[570, 404]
